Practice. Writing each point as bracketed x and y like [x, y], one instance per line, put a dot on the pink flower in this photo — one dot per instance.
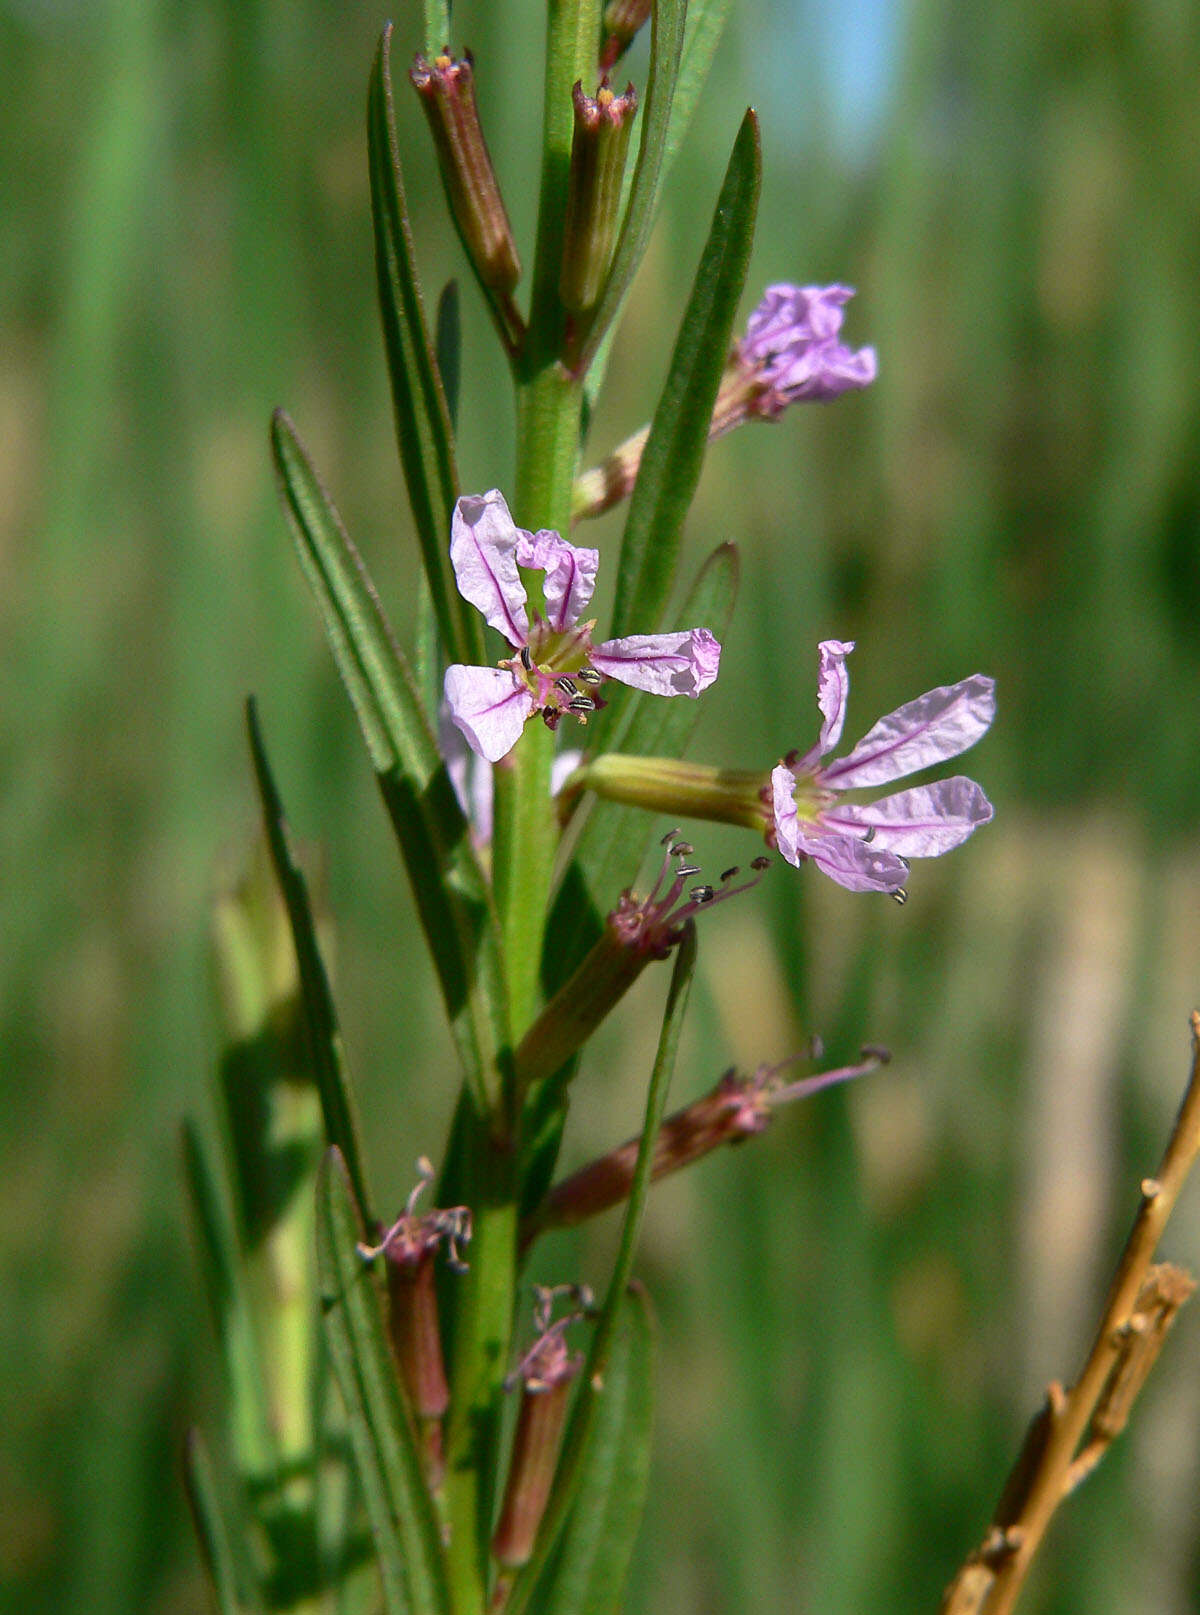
[864, 846]
[556, 667]
[792, 344]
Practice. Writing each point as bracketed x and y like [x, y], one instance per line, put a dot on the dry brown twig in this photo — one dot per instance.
[1072, 1431]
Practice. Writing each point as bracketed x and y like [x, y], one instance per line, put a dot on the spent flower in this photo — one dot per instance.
[556, 668]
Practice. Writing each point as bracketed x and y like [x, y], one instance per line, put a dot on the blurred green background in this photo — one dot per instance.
[859, 1311]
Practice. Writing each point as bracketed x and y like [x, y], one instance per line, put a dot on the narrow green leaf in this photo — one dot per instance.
[585, 1418]
[411, 1566]
[666, 45]
[448, 345]
[587, 1574]
[453, 898]
[705, 23]
[326, 1050]
[232, 1582]
[249, 1420]
[423, 432]
[674, 453]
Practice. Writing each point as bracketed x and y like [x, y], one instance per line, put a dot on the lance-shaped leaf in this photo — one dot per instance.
[411, 1564]
[666, 45]
[580, 1449]
[423, 431]
[674, 453]
[453, 899]
[326, 1051]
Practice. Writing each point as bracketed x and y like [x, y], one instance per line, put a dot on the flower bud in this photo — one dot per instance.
[623, 19]
[447, 91]
[598, 151]
[409, 1248]
[545, 1377]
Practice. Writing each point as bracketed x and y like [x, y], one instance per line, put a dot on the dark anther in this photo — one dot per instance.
[581, 703]
[870, 835]
[567, 686]
[702, 894]
[589, 675]
[728, 874]
[527, 658]
[685, 870]
[682, 849]
[761, 862]
[900, 896]
[670, 836]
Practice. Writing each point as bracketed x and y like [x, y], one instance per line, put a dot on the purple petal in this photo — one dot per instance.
[489, 706]
[787, 821]
[939, 724]
[682, 663]
[824, 372]
[833, 685]
[483, 552]
[856, 865]
[919, 823]
[570, 574]
[563, 766]
[470, 775]
[792, 339]
[789, 317]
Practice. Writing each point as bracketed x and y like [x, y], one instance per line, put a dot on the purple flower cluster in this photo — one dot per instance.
[792, 345]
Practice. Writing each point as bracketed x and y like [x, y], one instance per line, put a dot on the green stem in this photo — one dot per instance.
[549, 404]
[481, 1351]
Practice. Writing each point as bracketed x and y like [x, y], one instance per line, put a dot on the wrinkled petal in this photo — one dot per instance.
[792, 337]
[833, 685]
[682, 663]
[857, 865]
[919, 823]
[483, 552]
[570, 574]
[824, 372]
[939, 724]
[489, 705]
[787, 820]
[789, 316]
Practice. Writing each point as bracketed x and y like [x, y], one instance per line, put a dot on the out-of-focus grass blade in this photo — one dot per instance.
[674, 453]
[613, 838]
[249, 1421]
[587, 1574]
[398, 1504]
[423, 431]
[232, 1583]
[325, 1046]
[579, 1449]
[452, 897]
[666, 45]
